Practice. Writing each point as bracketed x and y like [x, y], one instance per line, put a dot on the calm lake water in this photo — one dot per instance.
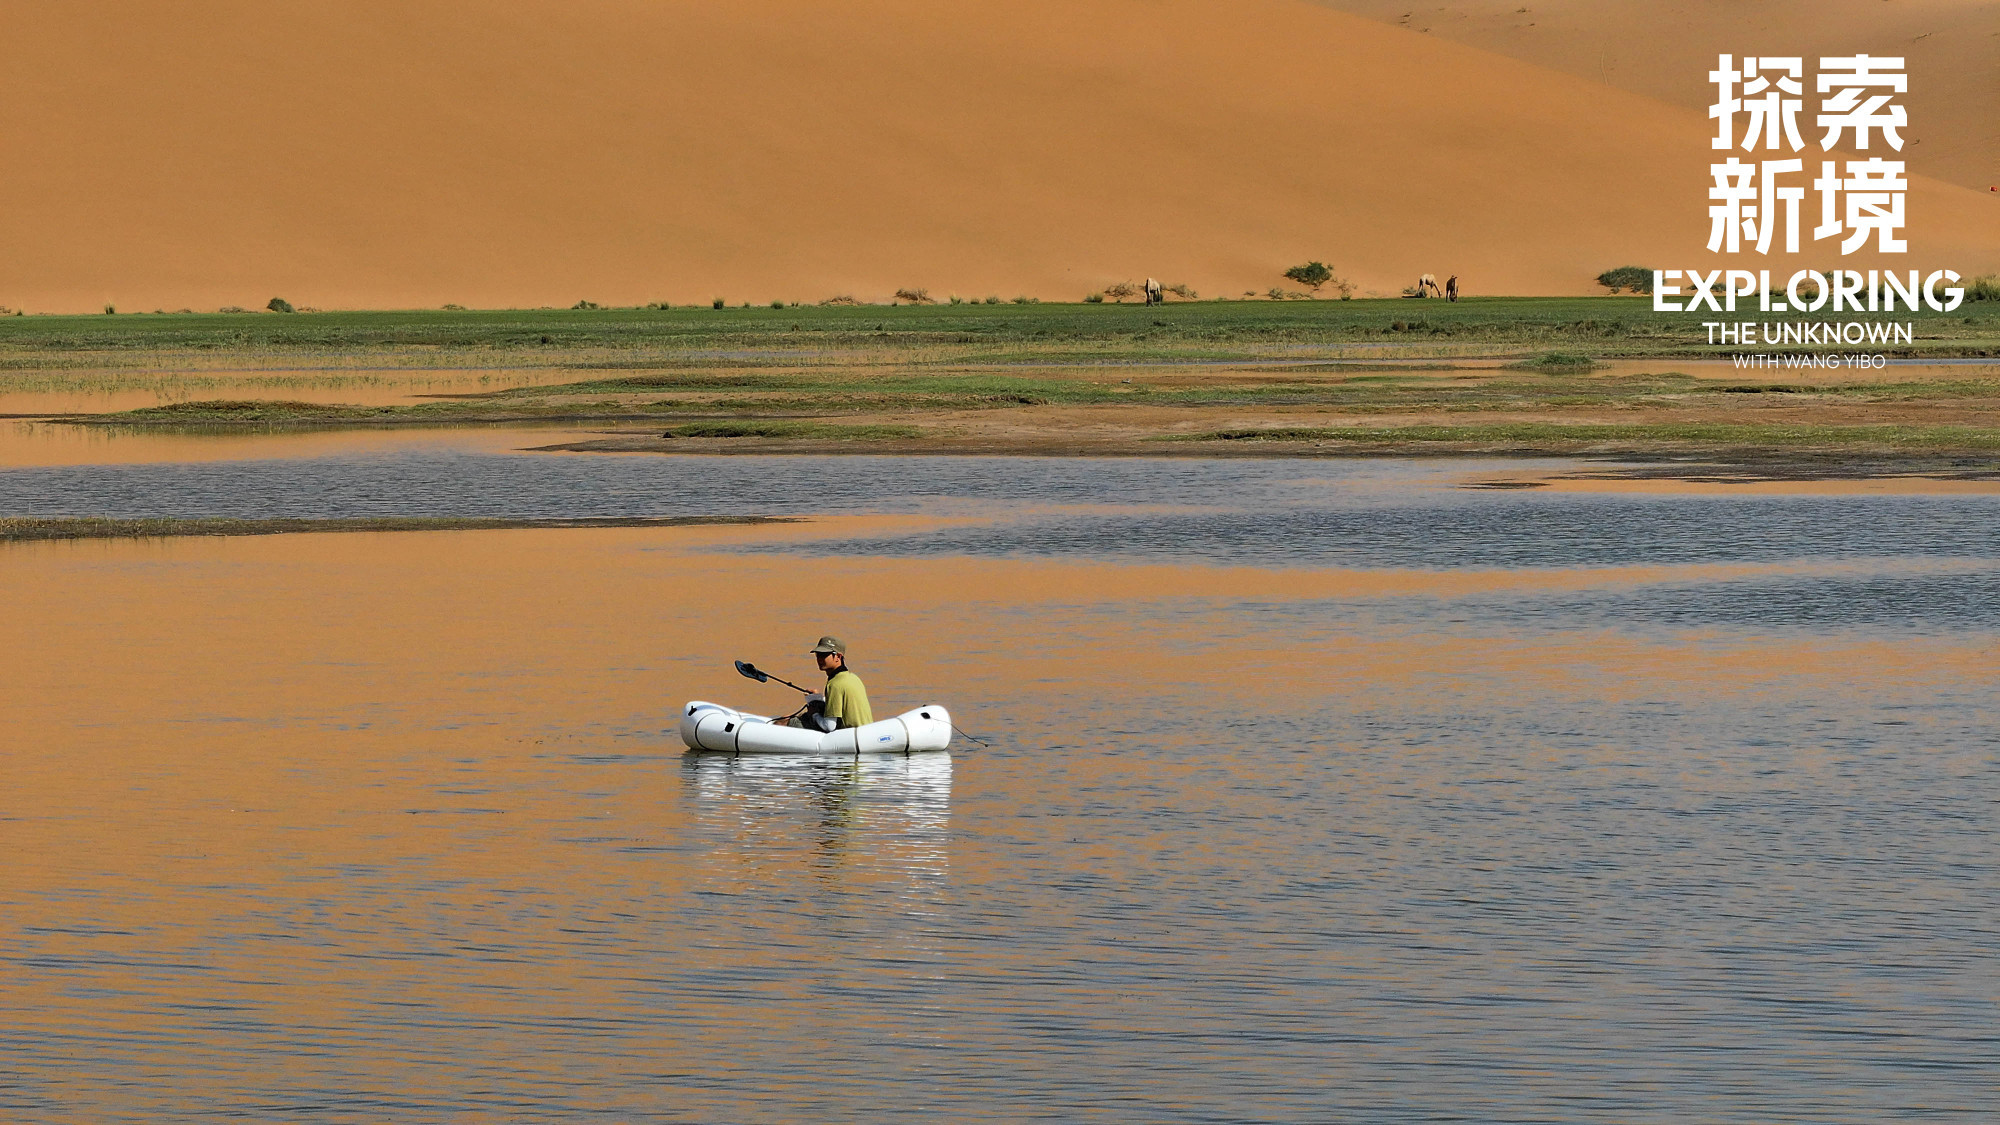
[1316, 791]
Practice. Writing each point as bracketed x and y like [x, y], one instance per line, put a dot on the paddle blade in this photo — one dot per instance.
[751, 671]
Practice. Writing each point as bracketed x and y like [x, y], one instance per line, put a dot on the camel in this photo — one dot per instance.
[1451, 287]
[1153, 294]
[1428, 285]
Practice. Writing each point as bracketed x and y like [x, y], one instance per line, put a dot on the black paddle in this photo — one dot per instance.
[763, 677]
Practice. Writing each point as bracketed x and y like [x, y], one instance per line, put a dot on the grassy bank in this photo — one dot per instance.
[1629, 438]
[1552, 375]
[801, 403]
[929, 334]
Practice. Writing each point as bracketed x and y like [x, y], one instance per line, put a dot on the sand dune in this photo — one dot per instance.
[532, 152]
[1664, 49]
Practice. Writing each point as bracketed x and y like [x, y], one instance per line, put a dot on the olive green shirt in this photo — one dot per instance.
[847, 700]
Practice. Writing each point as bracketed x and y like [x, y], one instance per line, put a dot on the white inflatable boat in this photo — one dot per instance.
[711, 726]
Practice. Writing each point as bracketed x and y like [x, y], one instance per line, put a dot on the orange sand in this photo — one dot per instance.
[527, 152]
[1664, 49]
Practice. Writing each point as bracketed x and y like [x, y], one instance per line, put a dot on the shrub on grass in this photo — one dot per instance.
[110, 311]
[1094, 298]
[1983, 288]
[777, 304]
[1121, 291]
[1182, 291]
[1024, 299]
[720, 303]
[454, 308]
[841, 300]
[280, 305]
[1312, 275]
[956, 299]
[993, 300]
[915, 296]
[1631, 279]
[585, 305]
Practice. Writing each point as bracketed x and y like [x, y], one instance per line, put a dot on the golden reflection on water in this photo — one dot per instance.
[403, 816]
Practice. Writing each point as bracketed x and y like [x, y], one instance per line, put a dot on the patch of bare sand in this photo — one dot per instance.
[1726, 371]
[529, 152]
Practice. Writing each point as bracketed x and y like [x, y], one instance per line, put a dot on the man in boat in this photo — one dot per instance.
[846, 701]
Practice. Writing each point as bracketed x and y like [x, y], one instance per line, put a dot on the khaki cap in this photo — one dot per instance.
[826, 645]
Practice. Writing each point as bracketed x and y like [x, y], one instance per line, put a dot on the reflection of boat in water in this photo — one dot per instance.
[886, 813]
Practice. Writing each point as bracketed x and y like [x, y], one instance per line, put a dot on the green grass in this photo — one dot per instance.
[1568, 362]
[1559, 436]
[1204, 329]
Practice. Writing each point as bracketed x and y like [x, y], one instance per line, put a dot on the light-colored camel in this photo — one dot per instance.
[1154, 296]
[1427, 286]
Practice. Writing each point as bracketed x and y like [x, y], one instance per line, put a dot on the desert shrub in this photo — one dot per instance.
[1631, 279]
[1312, 275]
[454, 308]
[993, 300]
[280, 305]
[586, 305]
[842, 300]
[1182, 291]
[720, 303]
[1121, 291]
[1983, 288]
[110, 310]
[915, 296]
[1024, 299]
[1094, 298]
[1275, 293]
[777, 304]
[956, 299]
